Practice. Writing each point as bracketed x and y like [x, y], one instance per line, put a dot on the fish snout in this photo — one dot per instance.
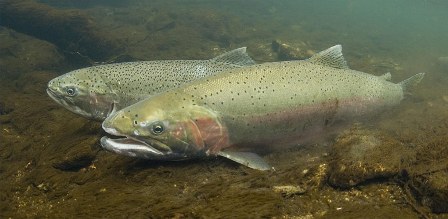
[107, 126]
[55, 96]
[52, 85]
[113, 123]
[110, 130]
[52, 90]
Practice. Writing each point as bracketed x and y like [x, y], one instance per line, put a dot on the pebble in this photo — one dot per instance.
[289, 190]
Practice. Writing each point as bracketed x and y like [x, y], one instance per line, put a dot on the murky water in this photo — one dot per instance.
[51, 164]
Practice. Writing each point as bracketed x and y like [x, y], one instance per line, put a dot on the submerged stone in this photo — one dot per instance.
[443, 61]
[21, 54]
[289, 190]
[433, 191]
[291, 52]
[361, 155]
[428, 175]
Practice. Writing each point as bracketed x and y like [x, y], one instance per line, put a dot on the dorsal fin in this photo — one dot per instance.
[237, 57]
[331, 57]
[387, 76]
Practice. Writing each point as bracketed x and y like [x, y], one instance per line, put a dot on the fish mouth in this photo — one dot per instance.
[58, 98]
[82, 108]
[132, 147]
[53, 95]
[71, 107]
[61, 100]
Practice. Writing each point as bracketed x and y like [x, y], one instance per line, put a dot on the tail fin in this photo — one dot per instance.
[410, 83]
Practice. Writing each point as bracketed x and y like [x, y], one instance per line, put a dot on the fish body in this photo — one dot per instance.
[242, 110]
[95, 92]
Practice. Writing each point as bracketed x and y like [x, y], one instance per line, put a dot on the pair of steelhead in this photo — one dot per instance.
[242, 110]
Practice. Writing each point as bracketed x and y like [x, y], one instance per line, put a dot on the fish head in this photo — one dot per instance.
[164, 129]
[83, 92]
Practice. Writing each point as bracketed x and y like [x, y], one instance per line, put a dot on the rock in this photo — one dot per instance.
[161, 22]
[77, 156]
[289, 190]
[432, 191]
[71, 30]
[75, 162]
[21, 53]
[445, 98]
[361, 155]
[428, 175]
[288, 52]
[443, 61]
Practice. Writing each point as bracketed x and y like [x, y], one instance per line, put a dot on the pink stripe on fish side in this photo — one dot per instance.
[352, 107]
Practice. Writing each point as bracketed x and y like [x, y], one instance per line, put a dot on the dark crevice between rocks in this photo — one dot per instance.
[4, 109]
[412, 196]
[366, 182]
[75, 164]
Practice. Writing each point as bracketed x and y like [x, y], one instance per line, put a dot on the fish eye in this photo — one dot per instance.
[71, 91]
[157, 128]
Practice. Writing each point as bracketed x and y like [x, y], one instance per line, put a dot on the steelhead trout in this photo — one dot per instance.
[237, 112]
[96, 91]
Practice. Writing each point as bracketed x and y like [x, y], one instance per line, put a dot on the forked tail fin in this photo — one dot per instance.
[408, 84]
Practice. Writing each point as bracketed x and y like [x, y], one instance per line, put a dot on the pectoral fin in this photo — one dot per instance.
[248, 159]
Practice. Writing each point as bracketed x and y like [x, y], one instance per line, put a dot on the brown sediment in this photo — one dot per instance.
[71, 30]
[426, 178]
[359, 156]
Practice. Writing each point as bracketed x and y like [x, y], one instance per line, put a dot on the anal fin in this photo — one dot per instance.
[248, 159]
